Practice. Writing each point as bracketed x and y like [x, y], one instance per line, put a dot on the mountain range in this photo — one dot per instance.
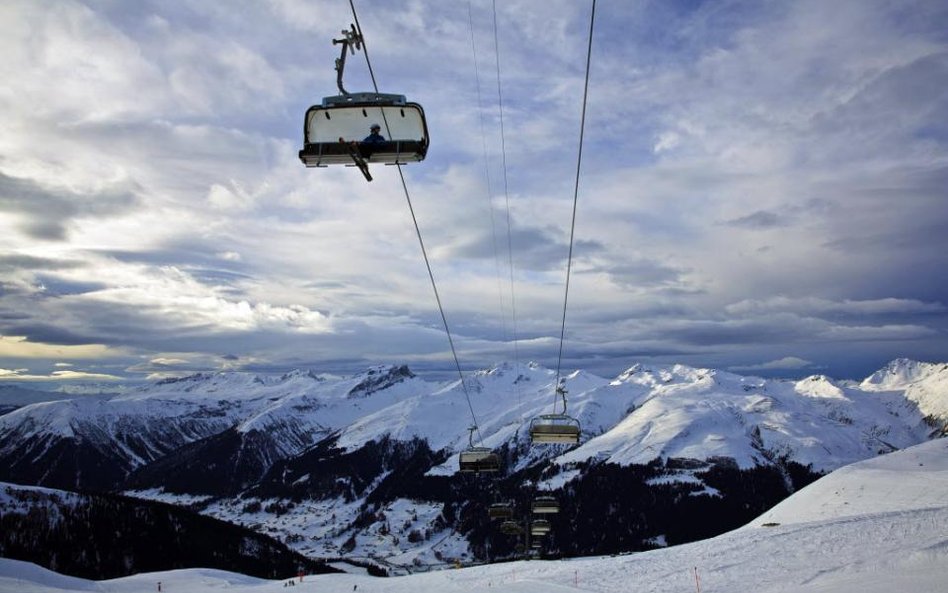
[366, 465]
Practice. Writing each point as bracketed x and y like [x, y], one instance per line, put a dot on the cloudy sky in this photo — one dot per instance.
[763, 187]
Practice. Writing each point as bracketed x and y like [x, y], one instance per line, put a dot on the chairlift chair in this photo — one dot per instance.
[545, 505]
[555, 428]
[500, 510]
[334, 131]
[510, 527]
[477, 459]
[540, 527]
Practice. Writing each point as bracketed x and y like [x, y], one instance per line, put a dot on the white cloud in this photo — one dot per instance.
[785, 363]
[666, 141]
[819, 306]
[19, 347]
[24, 375]
[176, 299]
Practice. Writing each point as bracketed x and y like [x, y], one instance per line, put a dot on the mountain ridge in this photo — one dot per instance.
[367, 464]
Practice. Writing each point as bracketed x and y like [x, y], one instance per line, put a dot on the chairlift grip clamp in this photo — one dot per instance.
[351, 40]
[561, 391]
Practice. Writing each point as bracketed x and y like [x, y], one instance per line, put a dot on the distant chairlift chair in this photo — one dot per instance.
[511, 527]
[555, 428]
[477, 459]
[540, 527]
[545, 505]
[500, 510]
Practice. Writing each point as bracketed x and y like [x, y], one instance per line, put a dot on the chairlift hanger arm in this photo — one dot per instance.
[561, 391]
[351, 41]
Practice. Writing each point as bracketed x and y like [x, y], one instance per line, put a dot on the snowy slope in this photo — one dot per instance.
[683, 412]
[891, 544]
[914, 478]
[25, 499]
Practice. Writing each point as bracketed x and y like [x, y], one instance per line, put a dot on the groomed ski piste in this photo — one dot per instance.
[877, 526]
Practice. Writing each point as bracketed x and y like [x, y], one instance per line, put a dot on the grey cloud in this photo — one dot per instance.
[14, 261]
[822, 307]
[888, 332]
[198, 258]
[777, 328]
[643, 273]
[758, 220]
[178, 252]
[533, 248]
[925, 236]
[916, 88]
[53, 286]
[43, 332]
[46, 213]
[788, 215]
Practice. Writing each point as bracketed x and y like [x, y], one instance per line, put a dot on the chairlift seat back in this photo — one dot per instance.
[540, 527]
[510, 528]
[545, 505]
[479, 459]
[554, 428]
[500, 511]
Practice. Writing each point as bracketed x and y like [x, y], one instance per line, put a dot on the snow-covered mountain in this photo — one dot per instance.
[365, 465]
[90, 443]
[15, 396]
[924, 384]
[877, 526]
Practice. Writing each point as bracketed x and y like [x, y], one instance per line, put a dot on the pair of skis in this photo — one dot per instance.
[357, 157]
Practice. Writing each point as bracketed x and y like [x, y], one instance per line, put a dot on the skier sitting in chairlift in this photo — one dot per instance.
[374, 136]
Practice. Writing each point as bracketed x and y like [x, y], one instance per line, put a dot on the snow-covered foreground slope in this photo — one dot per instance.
[914, 478]
[879, 526]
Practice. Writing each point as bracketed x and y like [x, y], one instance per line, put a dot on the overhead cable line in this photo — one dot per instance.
[490, 190]
[421, 242]
[513, 306]
[579, 162]
[503, 151]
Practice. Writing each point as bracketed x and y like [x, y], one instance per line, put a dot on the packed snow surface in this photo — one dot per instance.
[878, 526]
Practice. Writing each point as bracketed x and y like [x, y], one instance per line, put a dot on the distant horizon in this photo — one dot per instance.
[425, 373]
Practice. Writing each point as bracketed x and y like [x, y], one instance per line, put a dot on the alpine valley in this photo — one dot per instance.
[365, 467]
